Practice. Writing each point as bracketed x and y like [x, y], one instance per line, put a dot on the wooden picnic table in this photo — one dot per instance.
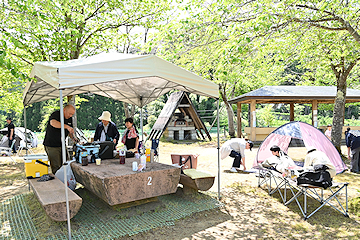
[116, 183]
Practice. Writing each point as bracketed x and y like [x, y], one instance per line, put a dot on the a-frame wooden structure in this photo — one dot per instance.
[178, 100]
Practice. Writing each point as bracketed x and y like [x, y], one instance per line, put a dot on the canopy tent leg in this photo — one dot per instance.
[141, 127]
[218, 148]
[26, 147]
[63, 151]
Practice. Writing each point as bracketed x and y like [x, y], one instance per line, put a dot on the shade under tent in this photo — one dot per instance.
[135, 79]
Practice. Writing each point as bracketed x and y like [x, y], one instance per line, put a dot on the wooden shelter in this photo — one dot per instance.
[286, 95]
[179, 125]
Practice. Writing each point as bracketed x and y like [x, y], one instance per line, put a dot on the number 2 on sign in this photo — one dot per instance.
[149, 181]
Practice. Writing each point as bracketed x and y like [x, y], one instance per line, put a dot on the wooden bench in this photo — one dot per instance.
[196, 180]
[51, 195]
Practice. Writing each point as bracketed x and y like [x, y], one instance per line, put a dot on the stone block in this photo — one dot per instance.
[117, 184]
[51, 195]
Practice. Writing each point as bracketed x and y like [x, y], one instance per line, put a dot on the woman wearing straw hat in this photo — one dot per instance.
[106, 130]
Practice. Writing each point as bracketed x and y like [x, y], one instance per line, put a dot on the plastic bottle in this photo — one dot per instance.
[134, 166]
[147, 153]
[122, 154]
[152, 154]
[143, 161]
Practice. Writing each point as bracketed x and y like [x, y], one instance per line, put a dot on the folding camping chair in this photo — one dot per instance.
[25, 148]
[317, 193]
[7, 151]
[275, 182]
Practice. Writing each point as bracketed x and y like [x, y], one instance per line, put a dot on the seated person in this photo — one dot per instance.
[318, 169]
[106, 130]
[280, 161]
[315, 159]
[131, 136]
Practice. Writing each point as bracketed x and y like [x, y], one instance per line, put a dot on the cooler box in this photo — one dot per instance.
[32, 166]
[187, 160]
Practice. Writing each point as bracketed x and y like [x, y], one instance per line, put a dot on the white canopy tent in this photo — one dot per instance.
[135, 79]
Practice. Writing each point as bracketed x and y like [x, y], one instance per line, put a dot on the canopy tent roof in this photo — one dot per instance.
[295, 94]
[311, 137]
[135, 79]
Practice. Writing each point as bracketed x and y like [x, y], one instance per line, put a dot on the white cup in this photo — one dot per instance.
[98, 161]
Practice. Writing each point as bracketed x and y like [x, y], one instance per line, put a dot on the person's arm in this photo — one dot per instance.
[243, 162]
[117, 135]
[97, 132]
[349, 153]
[137, 144]
[11, 137]
[57, 124]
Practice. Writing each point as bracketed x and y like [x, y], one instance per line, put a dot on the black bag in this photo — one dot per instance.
[320, 179]
[130, 154]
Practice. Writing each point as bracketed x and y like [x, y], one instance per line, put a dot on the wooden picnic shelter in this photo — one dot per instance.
[313, 95]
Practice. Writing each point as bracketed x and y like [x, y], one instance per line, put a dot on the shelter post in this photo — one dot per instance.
[291, 112]
[239, 133]
[218, 147]
[314, 113]
[63, 153]
[253, 120]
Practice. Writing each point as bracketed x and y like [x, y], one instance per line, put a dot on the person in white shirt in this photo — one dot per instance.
[328, 131]
[315, 157]
[235, 148]
[280, 160]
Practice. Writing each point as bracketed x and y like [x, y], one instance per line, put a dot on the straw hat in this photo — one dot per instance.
[105, 116]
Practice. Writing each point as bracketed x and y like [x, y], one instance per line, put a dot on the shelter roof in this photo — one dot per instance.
[135, 79]
[295, 94]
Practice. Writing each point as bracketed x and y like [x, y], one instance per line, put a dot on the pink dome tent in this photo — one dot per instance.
[311, 137]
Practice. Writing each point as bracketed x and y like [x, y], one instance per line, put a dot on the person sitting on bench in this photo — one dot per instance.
[280, 161]
[318, 169]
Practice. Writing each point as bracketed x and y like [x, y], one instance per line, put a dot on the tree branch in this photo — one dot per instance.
[346, 25]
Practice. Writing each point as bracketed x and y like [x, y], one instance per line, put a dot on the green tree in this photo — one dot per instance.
[34, 30]
[214, 40]
[324, 37]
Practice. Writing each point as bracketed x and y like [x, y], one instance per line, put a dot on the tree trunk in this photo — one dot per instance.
[126, 109]
[230, 112]
[341, 72]
[338, 113]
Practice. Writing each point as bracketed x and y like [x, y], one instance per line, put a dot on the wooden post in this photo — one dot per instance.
[291, 112]
[253, 120]
[239, 132]
[314, 113]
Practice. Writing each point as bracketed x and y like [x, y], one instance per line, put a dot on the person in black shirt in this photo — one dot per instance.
[131, 136]
[11, 133]
[353, 144]
[52, 140]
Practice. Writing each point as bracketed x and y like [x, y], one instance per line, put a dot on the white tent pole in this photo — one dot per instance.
[141, 126]
[218, 148]
[63, 153]
[25, 131]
